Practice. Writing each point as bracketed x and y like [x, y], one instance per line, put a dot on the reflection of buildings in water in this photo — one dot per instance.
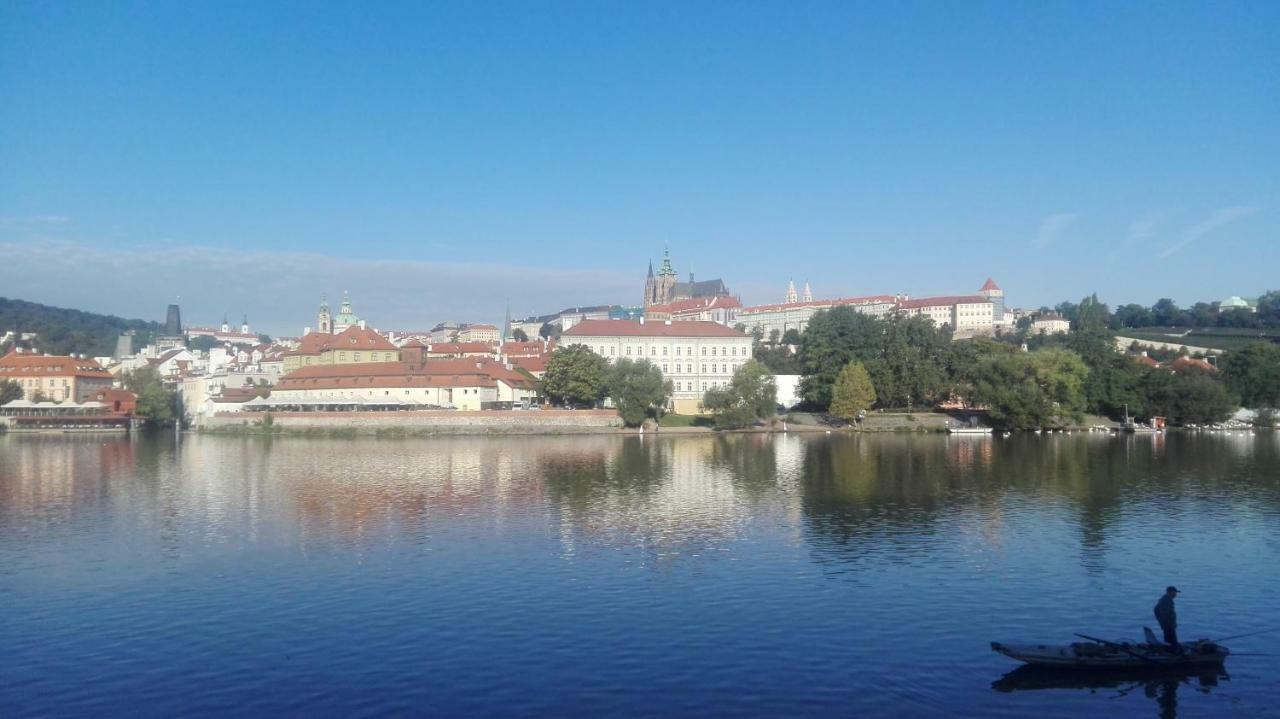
[358, 487]
[969, 450]
[48, 476]
[679, 495]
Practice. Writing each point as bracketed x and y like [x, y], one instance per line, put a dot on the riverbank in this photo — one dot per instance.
[492, 422]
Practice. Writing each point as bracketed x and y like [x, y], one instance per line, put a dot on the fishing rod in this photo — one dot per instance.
[1250, 634]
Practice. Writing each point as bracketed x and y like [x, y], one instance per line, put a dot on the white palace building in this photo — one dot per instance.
[695, 356]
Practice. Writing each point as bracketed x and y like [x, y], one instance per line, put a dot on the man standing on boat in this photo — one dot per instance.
[1168, 619]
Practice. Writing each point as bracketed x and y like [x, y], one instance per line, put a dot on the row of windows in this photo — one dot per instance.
[36, 382]
[688, 368]
[680, 351]
[692, 386]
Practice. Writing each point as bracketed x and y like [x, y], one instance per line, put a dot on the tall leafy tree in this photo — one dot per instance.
[1253, 373]
[576, 375]
[9, 391]
[155, 402]
[519, 335]
[833, 339]
[752, 394]
[853, 392]
[1029, 390]
[1187, 397]
[637, 389]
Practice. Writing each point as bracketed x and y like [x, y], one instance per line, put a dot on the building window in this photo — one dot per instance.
[628, 350]
[704, 369]
[713, 351]
[704, 351]
[664, 351]
[664, 368]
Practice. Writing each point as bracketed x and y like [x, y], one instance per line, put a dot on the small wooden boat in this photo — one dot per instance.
[1101, 654]
[969, 430]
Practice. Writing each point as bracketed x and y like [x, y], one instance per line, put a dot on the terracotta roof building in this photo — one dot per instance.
[355, 344]
[55, 378]
[461, 383]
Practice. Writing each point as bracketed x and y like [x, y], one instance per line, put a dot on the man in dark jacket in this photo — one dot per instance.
[1168, 619]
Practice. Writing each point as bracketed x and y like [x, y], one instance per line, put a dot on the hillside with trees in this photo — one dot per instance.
[64, 331]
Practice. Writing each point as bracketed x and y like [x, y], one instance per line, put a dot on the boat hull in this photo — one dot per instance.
[1091, 655]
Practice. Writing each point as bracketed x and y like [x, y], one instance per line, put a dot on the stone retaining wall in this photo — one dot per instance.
[438, 422]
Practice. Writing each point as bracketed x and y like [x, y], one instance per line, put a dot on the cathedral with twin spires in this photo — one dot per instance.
[665, 286]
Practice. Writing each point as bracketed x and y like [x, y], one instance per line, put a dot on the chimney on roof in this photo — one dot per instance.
[19, 350]
[668, 323]
[641, 319]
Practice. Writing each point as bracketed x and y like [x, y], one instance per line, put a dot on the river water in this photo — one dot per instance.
[602, 576]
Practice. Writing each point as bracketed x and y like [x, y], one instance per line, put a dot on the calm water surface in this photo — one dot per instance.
[747, 575]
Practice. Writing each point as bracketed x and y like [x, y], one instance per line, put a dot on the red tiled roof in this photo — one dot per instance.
[1183, 363]
[462, 347]
[942, 301]
[30, 365]
[633, 328]
[480, 327]
[988, 285]
[1146, 360]
[354, 337]
[524, 349]
[869, 300]
[467, 372]
[698, 303]
[533, 365]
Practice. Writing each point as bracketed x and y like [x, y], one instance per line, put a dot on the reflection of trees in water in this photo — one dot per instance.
[891, 491]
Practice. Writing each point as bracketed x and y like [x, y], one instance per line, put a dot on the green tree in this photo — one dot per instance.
[155, 402]
[202, 343]
[1029, 390]
[853, 392]
[1253, 373]
[774, 336]
[9, 391]
[576, 375]
[779, 360]
[549, 331]
[791, 337]
[1190, 396]
[40, 396]
[752, 394]
[519, 335]
[637, 389]
[833, 339]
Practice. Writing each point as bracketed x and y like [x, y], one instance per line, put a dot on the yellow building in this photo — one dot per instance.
[353, 345]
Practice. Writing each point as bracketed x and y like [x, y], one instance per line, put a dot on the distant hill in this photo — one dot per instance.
[64, 331]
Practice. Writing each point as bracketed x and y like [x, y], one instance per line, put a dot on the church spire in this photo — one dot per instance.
[651, 268]
[808, 294]
[791, 292]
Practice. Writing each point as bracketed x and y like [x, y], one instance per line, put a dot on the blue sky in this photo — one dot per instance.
[439, 161]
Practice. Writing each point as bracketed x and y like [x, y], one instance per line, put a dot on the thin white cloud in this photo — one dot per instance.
[1143, 229]
[1218, 219]
[280, 290]
[33, 222]
[1052, 227]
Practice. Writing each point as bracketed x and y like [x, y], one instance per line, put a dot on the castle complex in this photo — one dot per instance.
[665, 287]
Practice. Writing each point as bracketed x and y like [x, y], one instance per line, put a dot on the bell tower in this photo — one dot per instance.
[324, 321]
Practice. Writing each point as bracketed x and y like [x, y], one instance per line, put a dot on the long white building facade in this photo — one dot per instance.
[695, 356]
[796, 315]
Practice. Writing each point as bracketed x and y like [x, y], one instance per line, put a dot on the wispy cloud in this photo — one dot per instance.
[1142, 229]
[1053, 226]
[33, 222]
[1218, 219]
[280, 290]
